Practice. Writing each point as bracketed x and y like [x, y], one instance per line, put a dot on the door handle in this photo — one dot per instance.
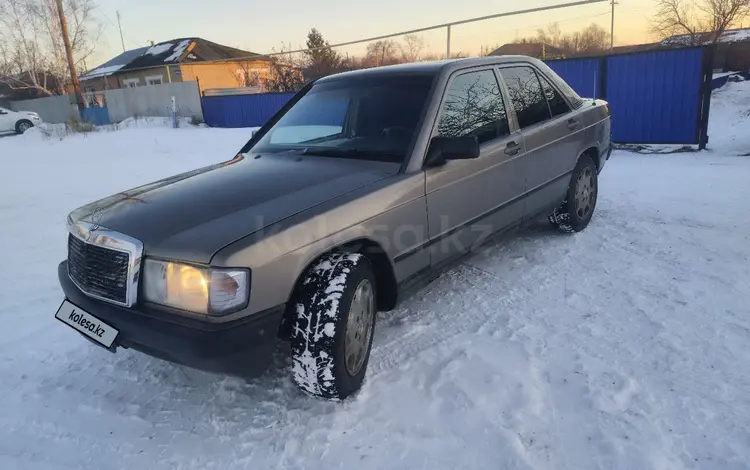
[573, 124]
[512, 148]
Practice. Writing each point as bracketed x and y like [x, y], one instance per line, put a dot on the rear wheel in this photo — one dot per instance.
[23, 125]
[576, 211]
[333, 324]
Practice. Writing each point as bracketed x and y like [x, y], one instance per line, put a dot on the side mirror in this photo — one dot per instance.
[442, 149]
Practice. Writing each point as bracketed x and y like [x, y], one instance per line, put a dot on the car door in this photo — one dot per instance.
[549, 131]
[468, 200]
[6, 121]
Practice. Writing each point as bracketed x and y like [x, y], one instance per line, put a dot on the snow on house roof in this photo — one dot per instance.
[113, 65]
[730, 35]
[185, 49]
[736, 35]
[159, 49]
[166, 53]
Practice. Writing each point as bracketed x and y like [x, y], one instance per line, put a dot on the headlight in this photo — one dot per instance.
[210, 291]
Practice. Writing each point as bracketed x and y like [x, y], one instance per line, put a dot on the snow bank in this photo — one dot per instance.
[64, 130]
[149, 121]
[729, 124]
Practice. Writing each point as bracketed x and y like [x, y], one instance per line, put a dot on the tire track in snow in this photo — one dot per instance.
[442, 323]
[476, 305]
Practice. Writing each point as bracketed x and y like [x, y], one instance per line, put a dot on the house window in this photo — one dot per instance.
[154, 80]
[130, 82]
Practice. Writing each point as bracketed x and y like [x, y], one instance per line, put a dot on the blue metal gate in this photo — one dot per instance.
[658, 97]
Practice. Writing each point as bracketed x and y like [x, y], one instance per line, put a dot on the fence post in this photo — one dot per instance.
[175, 122]
[200, 99]
[704, 96]
[603, 78]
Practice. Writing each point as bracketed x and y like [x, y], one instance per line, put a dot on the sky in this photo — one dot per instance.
[263, 27]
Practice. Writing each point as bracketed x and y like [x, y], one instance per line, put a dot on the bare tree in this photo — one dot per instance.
[383, 52]
[692, 17]
[246, 73]
[592, 39]
[6, 65]
[286, 74]
[486, 50]
[412, 48]
[34, 51]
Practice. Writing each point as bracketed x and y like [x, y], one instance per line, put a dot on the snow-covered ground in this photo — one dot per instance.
[623, 347]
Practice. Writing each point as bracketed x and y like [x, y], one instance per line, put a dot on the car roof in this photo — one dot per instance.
[432, 67]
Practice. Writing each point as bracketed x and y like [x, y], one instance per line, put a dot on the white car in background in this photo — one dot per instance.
[18, 121]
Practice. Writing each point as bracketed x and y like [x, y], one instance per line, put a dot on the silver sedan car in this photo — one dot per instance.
[365, 184]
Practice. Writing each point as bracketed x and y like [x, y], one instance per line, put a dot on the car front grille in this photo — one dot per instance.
[98, 271]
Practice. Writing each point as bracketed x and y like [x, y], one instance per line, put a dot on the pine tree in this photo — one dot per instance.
[323, 60]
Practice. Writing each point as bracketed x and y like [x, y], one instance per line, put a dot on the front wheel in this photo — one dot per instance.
[23, 126]
[332, 330]
[576, 211]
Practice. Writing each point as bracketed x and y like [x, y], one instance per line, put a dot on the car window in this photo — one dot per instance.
[557, 104]
[526, 94]
[474, 106]
[365, 117]
[323, 116]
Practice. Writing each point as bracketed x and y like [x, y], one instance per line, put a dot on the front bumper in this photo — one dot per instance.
[243, 347]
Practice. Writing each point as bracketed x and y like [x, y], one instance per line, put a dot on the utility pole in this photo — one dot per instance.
[612, 30]
[120, 27]
[69, 53]
[448, 44]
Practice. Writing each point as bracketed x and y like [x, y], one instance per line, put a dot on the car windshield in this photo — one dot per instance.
[370, 118]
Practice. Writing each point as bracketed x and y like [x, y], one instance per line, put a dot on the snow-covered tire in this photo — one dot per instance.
[575, 213]
[335, 292]
[23, 125]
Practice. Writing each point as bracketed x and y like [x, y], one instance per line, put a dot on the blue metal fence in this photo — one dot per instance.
[584, 75]
[242, 110]
[98, 116]
[655, 97]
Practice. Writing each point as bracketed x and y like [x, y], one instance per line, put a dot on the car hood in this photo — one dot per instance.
[192, 215]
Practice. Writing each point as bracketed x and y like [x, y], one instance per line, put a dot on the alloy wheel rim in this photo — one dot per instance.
[585, 193]
[359, 327]
[23, 127]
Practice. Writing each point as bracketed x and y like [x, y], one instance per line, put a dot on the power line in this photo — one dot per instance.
[411, 31]
[538, 25]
